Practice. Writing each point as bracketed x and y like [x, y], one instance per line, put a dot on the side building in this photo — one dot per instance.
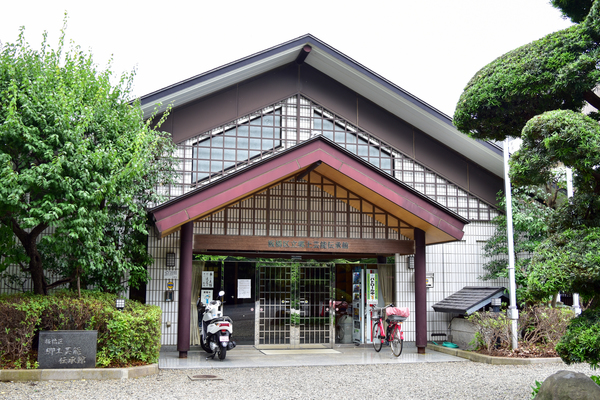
[294, 159]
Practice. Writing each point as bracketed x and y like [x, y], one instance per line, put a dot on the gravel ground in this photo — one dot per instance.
[450, 380]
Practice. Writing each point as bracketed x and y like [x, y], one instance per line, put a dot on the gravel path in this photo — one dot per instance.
[451, 380]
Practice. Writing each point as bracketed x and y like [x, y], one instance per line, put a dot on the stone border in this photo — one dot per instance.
[482, 358]
[24, 375]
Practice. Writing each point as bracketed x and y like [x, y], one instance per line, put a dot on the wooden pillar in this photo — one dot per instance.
[420, 291]
[186, 246]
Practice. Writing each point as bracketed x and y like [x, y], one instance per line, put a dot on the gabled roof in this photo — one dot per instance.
[468, 300]
[334, 163]
[344, 70]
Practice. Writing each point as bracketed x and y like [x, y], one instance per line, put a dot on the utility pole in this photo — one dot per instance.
[576, 306]
[513, 312]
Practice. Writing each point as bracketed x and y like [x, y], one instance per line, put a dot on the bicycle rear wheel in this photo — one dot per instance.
[377, 336]
[396, 342]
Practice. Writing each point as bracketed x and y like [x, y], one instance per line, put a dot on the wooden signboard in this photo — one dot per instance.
[302, 245]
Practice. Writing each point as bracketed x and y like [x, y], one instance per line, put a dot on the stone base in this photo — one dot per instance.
[23, 375]
[482, 358]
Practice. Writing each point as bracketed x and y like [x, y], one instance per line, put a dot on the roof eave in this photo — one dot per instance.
[346, 71]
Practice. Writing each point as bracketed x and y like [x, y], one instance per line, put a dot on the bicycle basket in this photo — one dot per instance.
[397, 311]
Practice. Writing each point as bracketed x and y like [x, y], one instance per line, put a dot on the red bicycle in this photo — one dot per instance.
[393, 334]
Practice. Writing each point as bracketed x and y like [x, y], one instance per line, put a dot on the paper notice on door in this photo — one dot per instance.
[244, 288]
[208, 279]
[206, 296]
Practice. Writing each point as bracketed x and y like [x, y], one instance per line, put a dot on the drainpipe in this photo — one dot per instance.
[186, 243]
[420, 291]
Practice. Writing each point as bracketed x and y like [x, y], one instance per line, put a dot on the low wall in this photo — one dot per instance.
[463, 332]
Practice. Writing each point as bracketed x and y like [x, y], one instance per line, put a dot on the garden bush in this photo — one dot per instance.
[540, 329]
[131, 337]
[492, 331]
[581, 342]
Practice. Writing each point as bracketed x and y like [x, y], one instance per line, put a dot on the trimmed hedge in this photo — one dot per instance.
[581, 342]
[130, 337]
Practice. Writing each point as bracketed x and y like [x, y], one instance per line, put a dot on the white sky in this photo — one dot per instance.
[431, 48]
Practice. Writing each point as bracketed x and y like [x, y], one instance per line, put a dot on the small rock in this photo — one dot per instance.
[568, 385]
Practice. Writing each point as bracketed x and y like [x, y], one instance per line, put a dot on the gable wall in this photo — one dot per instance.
[207, 113]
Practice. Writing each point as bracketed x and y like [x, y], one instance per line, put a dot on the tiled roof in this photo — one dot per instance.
[469, 299]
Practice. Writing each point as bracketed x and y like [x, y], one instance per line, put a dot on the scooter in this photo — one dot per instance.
[216, 330]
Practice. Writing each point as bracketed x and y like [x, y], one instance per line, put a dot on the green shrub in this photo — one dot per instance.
[543, 326]
[540, 329]
[492, 331]
[130, 337]
[581, 342]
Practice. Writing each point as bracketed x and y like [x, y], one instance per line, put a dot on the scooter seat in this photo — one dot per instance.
[218, 319]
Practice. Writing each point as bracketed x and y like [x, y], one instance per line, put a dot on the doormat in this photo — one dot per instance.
[298, 351]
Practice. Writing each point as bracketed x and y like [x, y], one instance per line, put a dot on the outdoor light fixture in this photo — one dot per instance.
[411, 262]
[170, 260]
[120, 304]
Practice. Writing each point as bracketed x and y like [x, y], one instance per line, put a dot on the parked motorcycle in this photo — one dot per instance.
[216, 330]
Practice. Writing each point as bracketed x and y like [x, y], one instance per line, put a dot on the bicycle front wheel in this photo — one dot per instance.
[396, 342]
[377, 336]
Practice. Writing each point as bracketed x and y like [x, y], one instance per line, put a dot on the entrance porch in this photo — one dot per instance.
[314, 202]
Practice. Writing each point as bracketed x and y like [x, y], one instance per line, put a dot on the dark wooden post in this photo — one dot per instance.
[420, 291]
[186, 246]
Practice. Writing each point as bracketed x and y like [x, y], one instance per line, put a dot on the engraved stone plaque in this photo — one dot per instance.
[67, 349]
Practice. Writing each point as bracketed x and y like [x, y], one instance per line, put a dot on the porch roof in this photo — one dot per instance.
[468, 300]
[335, 163]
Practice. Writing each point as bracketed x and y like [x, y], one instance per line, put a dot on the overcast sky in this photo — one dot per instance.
[431, 48]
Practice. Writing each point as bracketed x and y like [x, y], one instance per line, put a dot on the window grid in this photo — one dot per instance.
[334, 213]
[215, 154]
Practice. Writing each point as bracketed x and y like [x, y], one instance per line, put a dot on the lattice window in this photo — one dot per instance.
[260, 135]
[334, 213]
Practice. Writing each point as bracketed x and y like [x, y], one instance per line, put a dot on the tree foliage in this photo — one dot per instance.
[78, 166]
[533, 208]
[568, 261]
[575, 10]
[538, 92]
[557, 72]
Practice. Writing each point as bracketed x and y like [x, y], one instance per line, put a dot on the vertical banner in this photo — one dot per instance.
[372, 293]
[372, 287]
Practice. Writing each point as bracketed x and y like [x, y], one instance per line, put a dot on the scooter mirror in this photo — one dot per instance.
[221, 293]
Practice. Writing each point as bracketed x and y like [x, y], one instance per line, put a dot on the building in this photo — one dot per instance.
[300, 155]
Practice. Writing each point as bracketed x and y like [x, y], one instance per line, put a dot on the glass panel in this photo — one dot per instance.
[255, 143]
[230, 141]
[217, 141]
[229, 154]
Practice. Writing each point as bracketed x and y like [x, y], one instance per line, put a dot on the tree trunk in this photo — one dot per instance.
[554, 300]
[36, 269]
[29, 242]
